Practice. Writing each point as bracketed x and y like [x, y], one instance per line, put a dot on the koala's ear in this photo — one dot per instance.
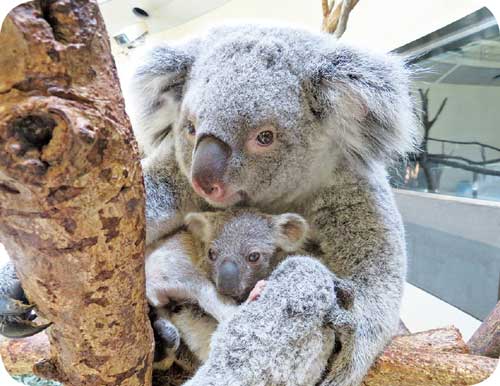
[199, 225]
[155, 91]
[363, 99]
[291, 230]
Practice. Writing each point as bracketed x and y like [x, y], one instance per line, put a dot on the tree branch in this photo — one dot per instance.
[432, 358]
[441, 107]
[336, 16]
[458, 165]
[458, 158]
[483, 145]
[486, 340]
[71, 193]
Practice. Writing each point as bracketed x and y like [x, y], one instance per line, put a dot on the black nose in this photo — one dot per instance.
[209, 164]
[228, 281]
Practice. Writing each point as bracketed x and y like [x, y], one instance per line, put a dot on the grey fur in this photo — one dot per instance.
[232, 235]
[285, 337]
[341, 115]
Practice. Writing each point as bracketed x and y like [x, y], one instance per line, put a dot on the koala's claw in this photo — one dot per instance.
[18, 328]
[12, 307]
[168, 334]
[16, 319]
[167, 341]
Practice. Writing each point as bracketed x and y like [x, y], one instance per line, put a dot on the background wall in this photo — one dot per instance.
[384, 24]
[453, 248]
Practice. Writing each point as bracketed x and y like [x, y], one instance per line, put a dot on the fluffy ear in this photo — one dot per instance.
[199, 225]
[363, 99]
[155, 92]
[291, 230]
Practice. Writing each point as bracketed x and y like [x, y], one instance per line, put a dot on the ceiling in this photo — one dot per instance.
[476, 63]
[163, 14]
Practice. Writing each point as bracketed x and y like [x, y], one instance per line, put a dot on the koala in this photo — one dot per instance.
[234, 250]
[16, 314]
[243, 246]
[286, 337]
[285, 120]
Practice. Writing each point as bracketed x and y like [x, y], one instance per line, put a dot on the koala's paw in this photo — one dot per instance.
[16, 315]
[257, 290]
[167, 339]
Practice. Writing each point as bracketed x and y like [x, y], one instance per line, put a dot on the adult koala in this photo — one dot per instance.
[286, 120]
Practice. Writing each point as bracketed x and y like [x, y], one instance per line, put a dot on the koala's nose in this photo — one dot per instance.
[228, 281]
[209, 164]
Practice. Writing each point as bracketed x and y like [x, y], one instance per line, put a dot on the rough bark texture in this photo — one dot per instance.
[19, 355]
[486, 340]
[431, 358]
[71, 193]
[447, 339]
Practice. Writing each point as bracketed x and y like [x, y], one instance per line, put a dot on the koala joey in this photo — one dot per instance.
[286, 337]
[231, 252]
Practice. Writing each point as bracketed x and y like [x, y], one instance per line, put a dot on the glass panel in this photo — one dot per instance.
[458, 93]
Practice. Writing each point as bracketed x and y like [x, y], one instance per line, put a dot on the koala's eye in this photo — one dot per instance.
[211, 255]
[253, 257]
[190, 128]
[265, 138]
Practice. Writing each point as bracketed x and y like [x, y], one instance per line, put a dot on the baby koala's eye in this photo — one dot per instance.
[265, 138]
[211, 255]
[190, 128]
[253, 257]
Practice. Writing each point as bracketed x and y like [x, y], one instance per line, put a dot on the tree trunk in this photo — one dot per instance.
[486, 340]
[71, 193]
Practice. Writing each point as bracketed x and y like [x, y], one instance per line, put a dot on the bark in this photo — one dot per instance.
[486, 340]
[446, 339]
[431, 358]
[336, 16]
[20, 355]
[71, 193]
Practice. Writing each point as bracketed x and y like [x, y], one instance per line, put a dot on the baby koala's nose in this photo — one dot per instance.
[228, 281]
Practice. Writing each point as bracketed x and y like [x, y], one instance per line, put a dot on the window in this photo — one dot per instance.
[458, 94]
[453, 242]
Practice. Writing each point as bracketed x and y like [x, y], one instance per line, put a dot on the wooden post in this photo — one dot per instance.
[71, 193]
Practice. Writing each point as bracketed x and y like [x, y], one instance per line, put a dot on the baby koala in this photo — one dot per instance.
[275, 339]
[230, 252]
[243, 246]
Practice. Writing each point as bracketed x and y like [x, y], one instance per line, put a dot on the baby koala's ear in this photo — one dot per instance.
[199, 225]
[291, 230]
